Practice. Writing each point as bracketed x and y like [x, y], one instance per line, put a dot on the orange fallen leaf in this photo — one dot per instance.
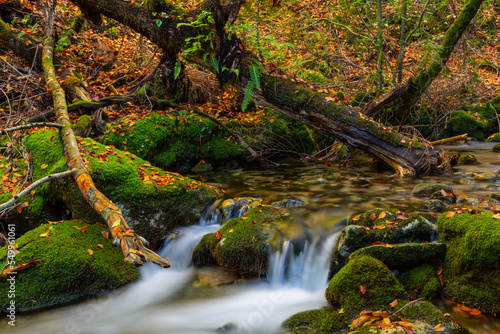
[100, 246]
[44, 166]
[218, 235]
[475, 312]
[81, 229]
[373, 216]
[362, 289]
[386, 321]
[394, 303]
[450, 214]
[283, 211]
[135, 251]
[105, 234]
[128, 234]
[404, 324]
[382, 215]
[91, 252]
[356, 218]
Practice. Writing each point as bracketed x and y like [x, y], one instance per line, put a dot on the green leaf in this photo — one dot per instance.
[248, 95]
[215, 64]
[236, 71]
[177, 69]
[255, 75]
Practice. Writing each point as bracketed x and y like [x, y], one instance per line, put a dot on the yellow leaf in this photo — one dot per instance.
[450, 214]
[358, 217]
[382, 215]
[230, 231]
[45, 233]
[244, 218]
[44, 166]
[116, 223]
[100, 246]
[394, 303]
[496, 216]
[439, 328]
[91, 252]
[386, 321]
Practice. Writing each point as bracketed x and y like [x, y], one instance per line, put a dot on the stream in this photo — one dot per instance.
[173, 300]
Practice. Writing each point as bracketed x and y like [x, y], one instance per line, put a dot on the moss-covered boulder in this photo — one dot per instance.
[469, 122]
[467, 159]
[243, 244]
[363, 283]
[427, 189]
[487, 177]
[472, 262]
[494, 137]
[316, 321]
[152, 201]
[496, 148]
[422, 282]
[374, 217]
[415, 228]
[73, 265]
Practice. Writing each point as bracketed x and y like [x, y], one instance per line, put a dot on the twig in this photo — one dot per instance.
[34, 185]
[30, 125]
[449, 140]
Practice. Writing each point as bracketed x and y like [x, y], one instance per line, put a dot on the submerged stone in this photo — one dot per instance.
[467, 159]
[432, 205]
[72, 266]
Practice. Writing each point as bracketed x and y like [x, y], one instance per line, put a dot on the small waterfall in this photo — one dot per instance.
[307, 269]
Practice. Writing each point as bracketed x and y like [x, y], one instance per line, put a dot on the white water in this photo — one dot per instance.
[164, 301]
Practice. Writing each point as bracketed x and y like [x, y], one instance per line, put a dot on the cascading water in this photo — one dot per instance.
[165, 301]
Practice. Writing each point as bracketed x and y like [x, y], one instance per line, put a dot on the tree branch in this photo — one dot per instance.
[30, 125]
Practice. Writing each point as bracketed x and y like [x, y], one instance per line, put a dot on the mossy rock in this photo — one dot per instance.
[415, 228]
[487, 177]
[467, 121]
[446, 198]
[472, 262]
[405, 256]
[202, 167]
[81, 124]
[67, 271]
[316, 321]
[467, 159]
[363, 283]
[427, 189]
[152, 201]
[243, 244]
[424, 311]
[422, 282]
[432, 205]
[374, 217]
[496, 148]
[494, 137]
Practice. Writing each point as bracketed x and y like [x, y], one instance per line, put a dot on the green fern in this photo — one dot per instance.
[177, 69]
[248, 95]
[215, 64]
[255, 75]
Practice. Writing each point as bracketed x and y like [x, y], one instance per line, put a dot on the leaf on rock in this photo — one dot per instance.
[81, 229]
[91, 252]
[439, 328]
[44, 166]
[373, 216]
[100, 246]
[362, 289]
[382, 215]
[105, 234]
[218, 235]
[394, 303]
[356, 218]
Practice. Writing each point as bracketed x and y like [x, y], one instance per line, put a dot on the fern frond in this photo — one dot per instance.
[248, 95]
[255, 75]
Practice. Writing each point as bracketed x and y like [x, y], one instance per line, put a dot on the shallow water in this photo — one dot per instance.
[173, 301]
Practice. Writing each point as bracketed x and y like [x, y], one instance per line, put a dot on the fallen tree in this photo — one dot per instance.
[132, 246]
[225, 56]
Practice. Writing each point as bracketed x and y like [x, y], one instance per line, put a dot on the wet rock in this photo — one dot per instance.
[67, 271]
[202, 167]
[415, 228]
[316, 321]
[496, 195]
[494, 137]
[472, 263]
[496, 148]
[235, 207]
[486, 177]
[446, 197]
[491, 187]
[214, 276]
[466, 181]
[467, 159]
[426, 189]
[471, 201]
[432, 205]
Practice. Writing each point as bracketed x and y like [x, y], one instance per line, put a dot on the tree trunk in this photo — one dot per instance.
[133, 249]
[404, 155]
[415, 87]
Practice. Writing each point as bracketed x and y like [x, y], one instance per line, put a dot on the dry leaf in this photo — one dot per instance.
[373, 216]
[218, 235]
[105, 234]
[81, 229]
[356, 218]
[386, 321]
[100, 246]
[382, 215]
[91, 252]
[439, 328]
[44, 166]
[128, 234]
[450, 214]
[362, 289]
[496, 216]
[244, 218]
[394, 303]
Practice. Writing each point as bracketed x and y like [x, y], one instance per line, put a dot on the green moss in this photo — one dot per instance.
[380, 217]
[472, 262]
[322, 321]
[243, 244]
[496, 148]
[382, 287]
[462, 121]
[423, 311]
[422, 282]
[467, 159]
[67, 272]
[82, 123]
[427, 189]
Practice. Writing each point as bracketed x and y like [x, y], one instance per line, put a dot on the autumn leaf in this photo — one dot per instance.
[382, 215]
[44, 166]
[135, 251]
[496, 216]
[81, 229]
[356, 218]
[449, 214]
[404, 324]
[373, 216]
[283, 211]
[362, 289]
[230, 231]
[105, 234]
[386, 321]
[218, 235]
[439, 328]
[443, 193]
[394, 303]
[45, 233]
[90, 251]
[244, 218]
[408, 330]
[128, 234]
[100, 246]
